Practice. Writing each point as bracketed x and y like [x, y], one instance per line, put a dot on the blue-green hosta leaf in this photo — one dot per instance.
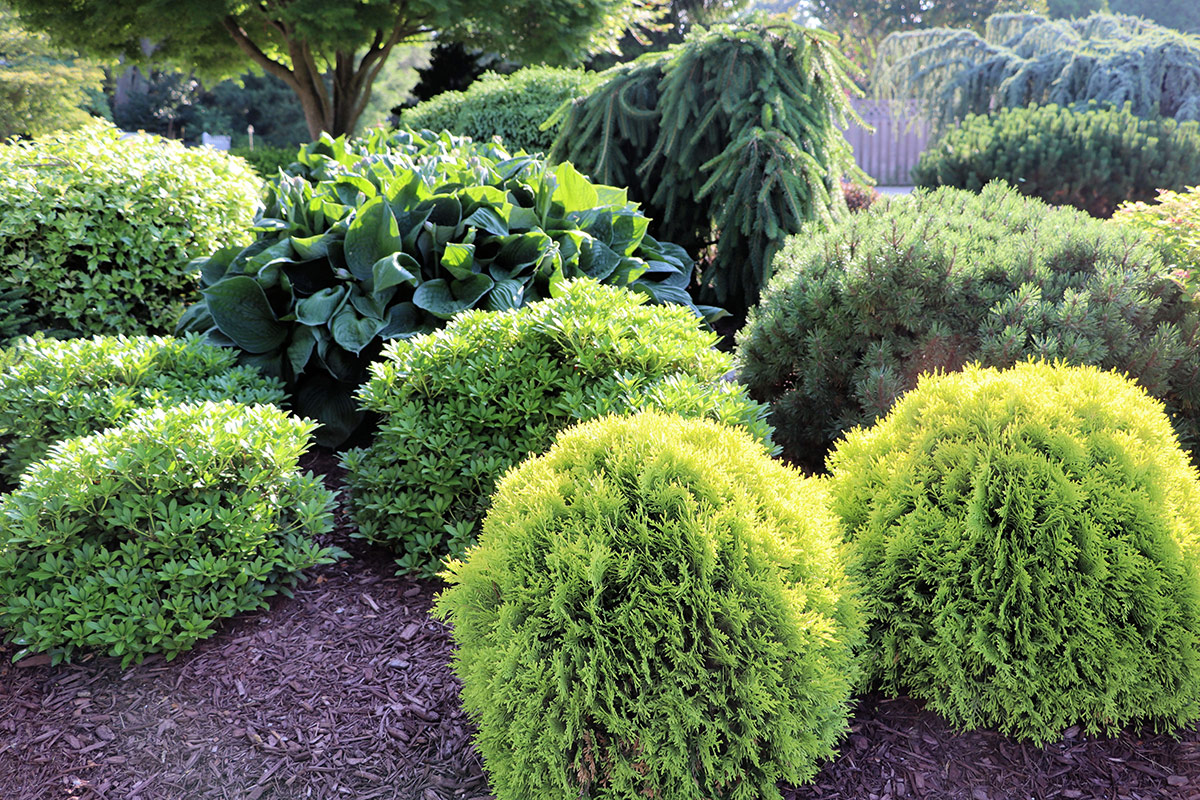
[506, 294]
[370, 305]
[404, 320]
[628, 231]
[372, 235]
[570, 247]
[311, 247]
[573, 191]
[664, 294]
[598, 260]
[489, 220]
[213, 268]
[395, 269]
[410, 224]
[340, 364]
[628, 271]
[329, 402]
[523, 219]
[459, 260]
[241, 311]
[444, 209]
[352, 331]
[520, 250]
[444, 298]
[300, 349]
[319, 308]
[481, 197]
[195, 319]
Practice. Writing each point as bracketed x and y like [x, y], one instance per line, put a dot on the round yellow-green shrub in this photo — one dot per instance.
[655, 608]
[1028, 544]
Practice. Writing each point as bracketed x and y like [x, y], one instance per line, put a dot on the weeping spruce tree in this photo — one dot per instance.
[1025, 58]
[732, 138]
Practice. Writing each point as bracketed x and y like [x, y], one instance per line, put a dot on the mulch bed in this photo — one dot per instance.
[345, 691]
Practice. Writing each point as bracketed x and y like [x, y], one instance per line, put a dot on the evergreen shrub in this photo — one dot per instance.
[265, 159]
[96, 231]
[138, 539]
[1172, 222]
[460, 407]
[512, 107]
[655, 609]
[388, 237]
[1093, 159]
[52, 390]
[1029, 551]
[938, 279]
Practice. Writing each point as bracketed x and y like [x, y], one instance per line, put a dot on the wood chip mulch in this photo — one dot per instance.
[344, 691]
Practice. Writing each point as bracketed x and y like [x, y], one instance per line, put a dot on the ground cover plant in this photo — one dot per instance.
[1172, 222]
[96, 231]
[734, 131]
[655, 607]
[138, 539]
[52, 390]
[460, 407]
[1028, 548]
[939, 279]
[389, 237]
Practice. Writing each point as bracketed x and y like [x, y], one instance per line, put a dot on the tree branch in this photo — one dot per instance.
[257, 55]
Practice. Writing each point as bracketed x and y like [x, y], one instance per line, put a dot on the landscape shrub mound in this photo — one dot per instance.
[459, 407]
[655, 609]
[1029, 551]
[52, 390]
[512, 107]
[138, 539]
[1172, 221]
[96, 231]
[1093, 159]
[939, 279]
[388, 237]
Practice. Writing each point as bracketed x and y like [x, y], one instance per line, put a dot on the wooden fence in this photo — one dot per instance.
[889, 154]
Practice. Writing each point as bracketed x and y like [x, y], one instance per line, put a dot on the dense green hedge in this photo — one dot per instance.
[265, 159]
[655, 609]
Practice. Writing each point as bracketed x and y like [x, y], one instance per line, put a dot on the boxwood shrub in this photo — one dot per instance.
[52, 390]
[96, 231]
[460, 407]
[1029, 550]
[138, 539]
[936, 280]
[655, 609]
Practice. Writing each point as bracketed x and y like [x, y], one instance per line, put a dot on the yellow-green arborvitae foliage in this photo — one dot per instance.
[1029, 550]
[655, 609]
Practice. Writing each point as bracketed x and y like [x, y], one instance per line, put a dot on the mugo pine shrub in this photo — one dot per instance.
[138, 539]
[388, 237]
[1093, 159]
[461, 406]
[655, 609]
[96, 231]
[52, 390]
[1029, 550]
[939, 279]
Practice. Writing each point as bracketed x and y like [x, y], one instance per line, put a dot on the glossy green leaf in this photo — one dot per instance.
[459, 260]
[300, 349]
[320, 307]
[353, 331]
[444, 298]
[372, 235]
[395, 269]
[240, 309]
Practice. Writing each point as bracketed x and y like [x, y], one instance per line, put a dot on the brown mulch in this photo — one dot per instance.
[345, 691]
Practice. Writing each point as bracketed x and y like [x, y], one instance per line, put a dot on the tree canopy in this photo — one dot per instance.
[329, 52]
[1182, 15]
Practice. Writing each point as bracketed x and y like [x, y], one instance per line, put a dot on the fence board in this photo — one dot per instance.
[889, 154]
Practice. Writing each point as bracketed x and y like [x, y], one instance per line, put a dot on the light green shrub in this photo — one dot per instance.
[1172, 222]
[52, 390]
[1029, 550]
[138, 539]
[655, 609]
[97, 231]
[459, 407]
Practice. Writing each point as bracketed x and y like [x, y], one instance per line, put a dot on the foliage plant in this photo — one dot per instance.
[138, 539]
[939, 279]
[52, 390]
[266, 160]
[1093, 159]
[1025, 59]
[655, 609]
[460, 407]
[388, 237]
[1172, 222]
[1029, 551]
[732, 137]
[512, 107]
[96, 231]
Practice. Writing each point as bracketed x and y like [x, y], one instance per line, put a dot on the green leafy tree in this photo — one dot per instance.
[1182, 15]
[328, 53]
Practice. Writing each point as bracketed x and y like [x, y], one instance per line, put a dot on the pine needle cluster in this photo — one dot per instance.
[1029, 551]
[655, 609]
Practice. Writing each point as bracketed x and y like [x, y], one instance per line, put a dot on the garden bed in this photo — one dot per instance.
[345, 691]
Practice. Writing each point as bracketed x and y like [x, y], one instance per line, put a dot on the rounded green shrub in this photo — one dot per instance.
[52, 390]
[1029, 550]
[512, 107]
[459, 407]
[138, 539]
[655, 609]
[1092, 159]
[266, 159]
[97, 230]
[938, 279]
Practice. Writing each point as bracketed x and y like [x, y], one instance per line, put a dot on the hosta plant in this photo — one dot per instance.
[139, 539]
[52, 390]
[655, 609]
[1029, 550]
[390, 237]
[459, 407]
